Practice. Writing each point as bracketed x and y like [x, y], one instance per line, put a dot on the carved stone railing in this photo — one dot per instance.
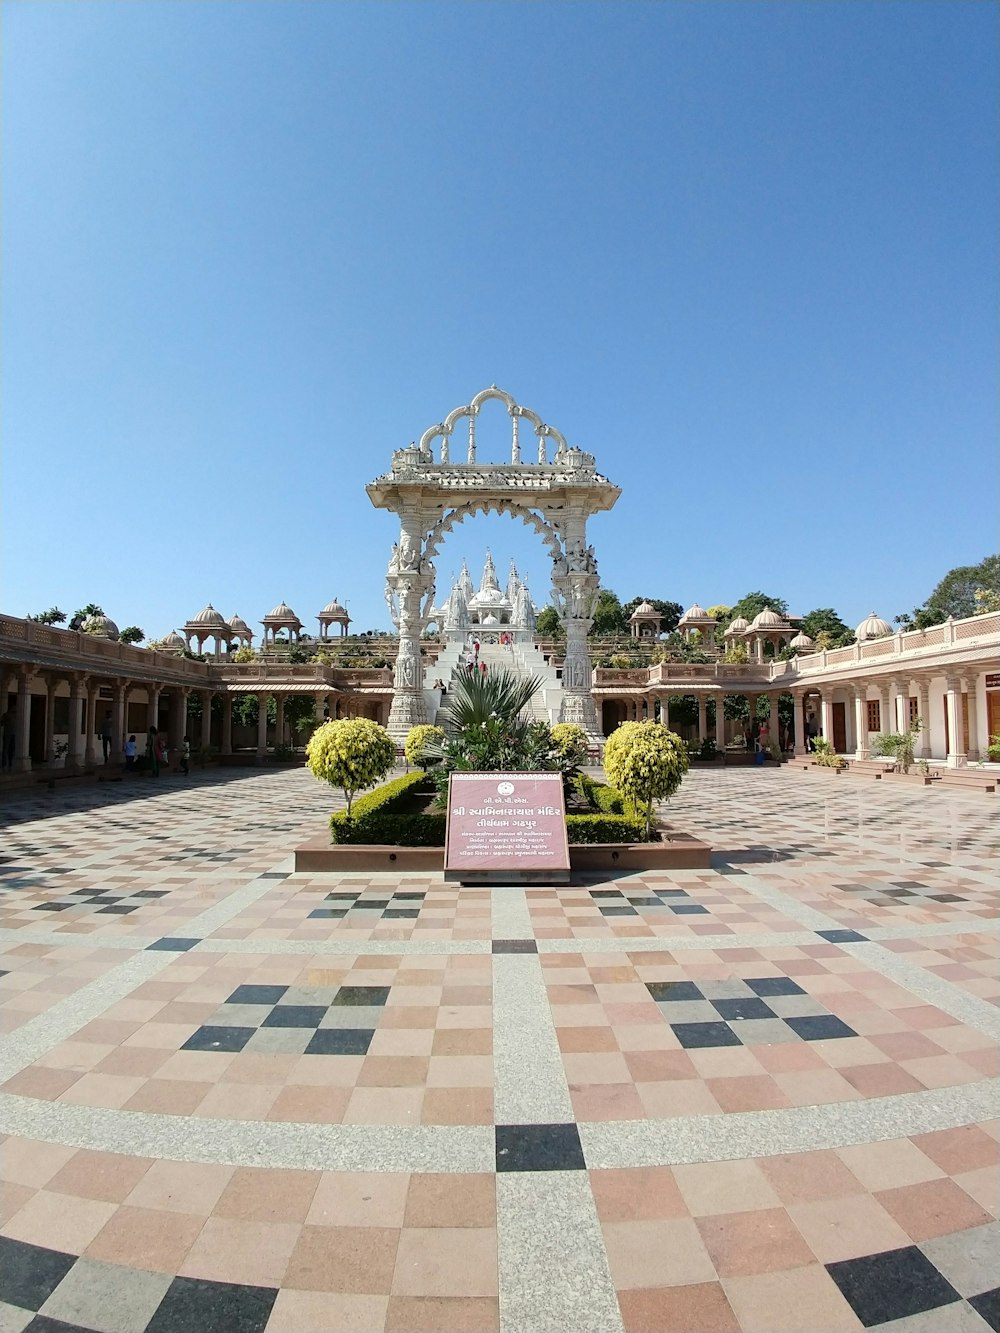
[25, 641]
[910, 644]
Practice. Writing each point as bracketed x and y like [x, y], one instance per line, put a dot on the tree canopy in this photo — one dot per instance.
[547, 623]
[754, 602]
[131, 634]
[53, 616]
[609, 615]
[955, 595]
[85, 613]
[824, 621]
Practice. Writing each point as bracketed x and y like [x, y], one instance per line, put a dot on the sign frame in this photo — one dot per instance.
[542, 865]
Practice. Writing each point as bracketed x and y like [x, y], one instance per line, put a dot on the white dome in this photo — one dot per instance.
[802, 640]
[644, 609]
[738, 626]
[768, 619]
[491, 597]
[101, 626]
[490, 620]
[209, 617]
[696, 612]
[281, 612]
[873, 627]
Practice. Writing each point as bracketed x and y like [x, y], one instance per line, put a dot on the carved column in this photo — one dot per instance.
[702, 719]
[720, 723]
[90, 726]
[799, 721]
[885, 711]
[51, 682]
[861, 750]
[279, 719]
[77, 697]
[826, 717]
[953, 705]
[971, 683]
[22, 725]
[409, 578]
[206, 718]
[118, 720]
[924, 696]
[262, 725]
[226, 737]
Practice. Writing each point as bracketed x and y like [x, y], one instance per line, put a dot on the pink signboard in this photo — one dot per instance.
[508, 828]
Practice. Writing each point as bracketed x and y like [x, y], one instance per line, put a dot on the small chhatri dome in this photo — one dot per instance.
[644, 609]
[738, 626]
[238, 624]
[209, 617]
[802, 640]
[173, 640]
[334, 610]
[873, 627]
[768, 619]
[102, 627]
[281, 612]
[696, 612]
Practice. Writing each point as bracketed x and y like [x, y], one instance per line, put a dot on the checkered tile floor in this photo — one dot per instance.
[193, 1030]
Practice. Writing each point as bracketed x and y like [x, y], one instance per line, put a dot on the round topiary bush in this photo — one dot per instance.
[571, 742]
[646, 763]
[417, 741]
[352, 754]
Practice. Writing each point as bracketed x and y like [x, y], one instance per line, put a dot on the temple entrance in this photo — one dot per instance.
[555, 496]
[613, 714]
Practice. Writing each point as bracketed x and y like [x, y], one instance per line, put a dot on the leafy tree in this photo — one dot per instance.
[955, 595]
[131, 634]
[547, 623]
[352, 754]
[609, 616]
[670, 612]
[826, 621]
[85, 613]
[571, 742]
[300, 715]
[754, 602]
[53, 616]
[646, 763]
[722, 613]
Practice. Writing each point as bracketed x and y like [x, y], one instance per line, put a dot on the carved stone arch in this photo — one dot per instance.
[443, 429]
[546, 530]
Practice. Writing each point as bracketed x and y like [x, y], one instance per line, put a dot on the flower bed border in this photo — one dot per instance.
[677, 851]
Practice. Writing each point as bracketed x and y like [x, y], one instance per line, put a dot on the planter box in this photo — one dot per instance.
[676, 852]
[915, 779]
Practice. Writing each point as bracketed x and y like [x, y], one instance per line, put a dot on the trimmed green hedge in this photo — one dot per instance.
[376, 818]
[604, 828]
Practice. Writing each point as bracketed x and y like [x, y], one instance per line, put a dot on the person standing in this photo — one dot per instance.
[153, 751]
[130, 750]
[107, 732]
[185, 759]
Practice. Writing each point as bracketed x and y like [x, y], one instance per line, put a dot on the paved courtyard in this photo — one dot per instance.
[756, 1097]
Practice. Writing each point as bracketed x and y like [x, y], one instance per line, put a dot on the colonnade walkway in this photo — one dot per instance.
[756, 1097]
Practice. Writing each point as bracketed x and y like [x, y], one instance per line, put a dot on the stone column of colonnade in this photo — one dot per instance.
[702, 718]
[720, 723]
[262, 724]
[970, 683]
[22, 723]
[77, 717]
[226, 739]
[859, 699]
[799, 721]
[279, 719]
[49, 748]
[826, 716]
[923, 750]
[953, 705]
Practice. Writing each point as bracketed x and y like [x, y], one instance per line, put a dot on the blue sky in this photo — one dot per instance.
[744, 253]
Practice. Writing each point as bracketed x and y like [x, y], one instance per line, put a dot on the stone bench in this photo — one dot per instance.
[985, 782]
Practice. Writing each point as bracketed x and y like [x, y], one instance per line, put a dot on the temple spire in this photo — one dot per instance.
[489, 580]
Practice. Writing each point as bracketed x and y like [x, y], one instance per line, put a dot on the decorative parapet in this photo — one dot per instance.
[26, 641]
[911, 646]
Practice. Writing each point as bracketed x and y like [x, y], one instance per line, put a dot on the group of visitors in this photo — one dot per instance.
[157, 755]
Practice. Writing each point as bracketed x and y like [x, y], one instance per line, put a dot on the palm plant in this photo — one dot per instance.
[489, 728]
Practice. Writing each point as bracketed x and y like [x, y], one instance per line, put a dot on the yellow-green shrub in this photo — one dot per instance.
[352, 754]
[646, 763]
[417, 740]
